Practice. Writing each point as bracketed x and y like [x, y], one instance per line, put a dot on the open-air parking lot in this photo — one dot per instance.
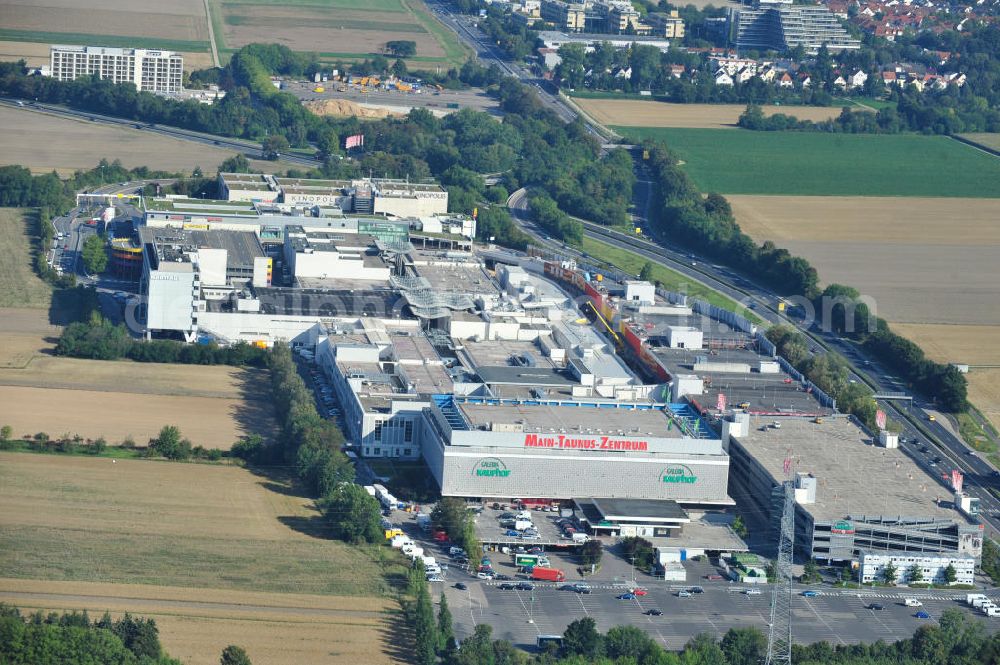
[490, 530]
[834, 616]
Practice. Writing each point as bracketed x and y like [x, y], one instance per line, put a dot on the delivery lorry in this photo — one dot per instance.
[548, 574]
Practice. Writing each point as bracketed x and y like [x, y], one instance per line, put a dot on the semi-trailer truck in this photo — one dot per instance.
[548, 574]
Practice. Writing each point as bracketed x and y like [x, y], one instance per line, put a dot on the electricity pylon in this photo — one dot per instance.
[779, 638]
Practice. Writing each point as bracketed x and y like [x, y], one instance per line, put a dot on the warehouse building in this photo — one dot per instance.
[559, 449]
[148, 70]
[851, 495]
[185, 270]
[365, 196]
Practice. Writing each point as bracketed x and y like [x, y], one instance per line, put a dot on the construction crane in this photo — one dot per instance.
[779, 637]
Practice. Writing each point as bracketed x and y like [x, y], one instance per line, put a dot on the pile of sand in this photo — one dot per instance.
[344, 107]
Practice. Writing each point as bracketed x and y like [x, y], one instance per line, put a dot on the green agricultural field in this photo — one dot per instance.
[817, 164]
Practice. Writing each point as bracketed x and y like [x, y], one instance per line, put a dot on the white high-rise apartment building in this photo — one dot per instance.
[154, 71]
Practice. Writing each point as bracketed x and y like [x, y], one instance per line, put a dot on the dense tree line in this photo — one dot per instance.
[955, 640]
[452, 515]
[829, 371]
[850, 316]
[307, 441]
[707, 224]
[99, 339]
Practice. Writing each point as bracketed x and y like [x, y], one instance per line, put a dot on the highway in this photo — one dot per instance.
[248, 148]
[489, 53]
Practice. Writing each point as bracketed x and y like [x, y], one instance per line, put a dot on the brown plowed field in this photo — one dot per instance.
[318, 29]
[928, 263]
[181, 20]
[639, 113]
[216, 554]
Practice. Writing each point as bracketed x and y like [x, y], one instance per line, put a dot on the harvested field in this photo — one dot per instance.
[896, 250]
[216, 527]
[212, 423]
[230, 558]
[183, 20]
[988, 140]
[821, 164]
[643, 113]
[314, 27]
[19, 285]
[913, 256]
[984, 392]
[79, 144]
[969, 345]
[26, 334]
[283, 629]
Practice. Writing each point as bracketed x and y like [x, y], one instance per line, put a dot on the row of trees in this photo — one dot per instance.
[849, 315]
[829, 371]
[433, 639]
[955, 640]
[100, 339]
[452, 515]
[708, 225]
[312, 445]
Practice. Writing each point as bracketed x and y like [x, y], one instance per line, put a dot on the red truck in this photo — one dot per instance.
[548, 574]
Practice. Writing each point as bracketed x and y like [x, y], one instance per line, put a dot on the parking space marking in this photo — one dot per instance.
[824, 621]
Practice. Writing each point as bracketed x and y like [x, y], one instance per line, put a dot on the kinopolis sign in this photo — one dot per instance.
[591, 443]
[678, 473]
[490, 467]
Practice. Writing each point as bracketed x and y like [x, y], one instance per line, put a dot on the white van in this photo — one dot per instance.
[912, 602]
